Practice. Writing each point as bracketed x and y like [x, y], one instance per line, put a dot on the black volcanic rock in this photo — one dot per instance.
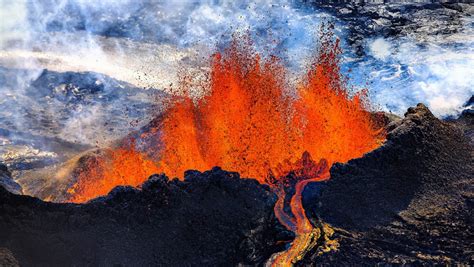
[410, 201]
[7, 181]
[7, 259]
[211, 218]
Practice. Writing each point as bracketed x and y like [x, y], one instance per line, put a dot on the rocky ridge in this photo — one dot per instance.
[408, 202]
[211, 218]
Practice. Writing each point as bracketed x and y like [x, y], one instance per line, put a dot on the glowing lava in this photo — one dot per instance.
[250, 121]
[302, 172]
[247, 123]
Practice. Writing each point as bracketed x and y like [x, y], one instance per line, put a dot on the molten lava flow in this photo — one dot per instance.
[302, 172]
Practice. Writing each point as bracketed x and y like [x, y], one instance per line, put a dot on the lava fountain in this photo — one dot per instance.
[249, 122]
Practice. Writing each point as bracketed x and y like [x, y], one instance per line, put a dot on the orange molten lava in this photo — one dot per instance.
[300, 174]
[247, 123]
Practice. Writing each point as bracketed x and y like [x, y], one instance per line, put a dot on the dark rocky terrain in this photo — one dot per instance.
[408, 202]
[211, 218]
[466, 120]
[422, 20]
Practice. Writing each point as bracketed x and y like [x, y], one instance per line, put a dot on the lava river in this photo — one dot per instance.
[253, 121]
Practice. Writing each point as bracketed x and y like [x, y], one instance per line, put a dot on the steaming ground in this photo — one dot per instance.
[77, 74]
